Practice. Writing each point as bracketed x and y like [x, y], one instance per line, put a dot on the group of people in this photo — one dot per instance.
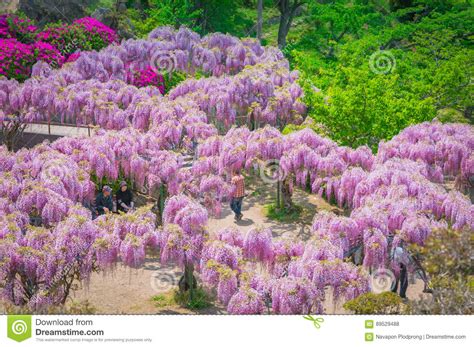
[104, 202]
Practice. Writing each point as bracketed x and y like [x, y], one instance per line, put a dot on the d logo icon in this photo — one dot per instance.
[19, 327]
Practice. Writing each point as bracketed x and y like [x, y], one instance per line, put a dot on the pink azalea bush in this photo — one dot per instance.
[13, 26]
[145, 77]
[17, 59]
[83, 34]
[22, 45]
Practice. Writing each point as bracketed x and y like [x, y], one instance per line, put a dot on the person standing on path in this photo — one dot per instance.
[400, 256]
[238, 193]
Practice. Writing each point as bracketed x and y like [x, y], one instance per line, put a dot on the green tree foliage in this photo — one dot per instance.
[425, 66]
[162, 13]
[227, 16]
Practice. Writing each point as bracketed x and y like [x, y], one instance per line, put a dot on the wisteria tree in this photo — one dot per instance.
[182, 237]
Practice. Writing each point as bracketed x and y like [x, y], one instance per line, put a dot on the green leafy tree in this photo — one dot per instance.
[363, 108]
[428, 70]
[165, 12]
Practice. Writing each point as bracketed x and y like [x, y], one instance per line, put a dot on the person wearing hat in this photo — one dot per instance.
[103, 201]
[124, 198]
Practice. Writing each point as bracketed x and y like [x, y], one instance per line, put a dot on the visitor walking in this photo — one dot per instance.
[238, 193]
[124, 198]
[103, 201]
[400, 257]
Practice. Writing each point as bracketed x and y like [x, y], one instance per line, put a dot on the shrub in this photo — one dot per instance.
[16, 58]
[283, 215]
[83, 34]
[146, 77]
[13, 26]
[21, 45]
[371, 303]
[201, 299]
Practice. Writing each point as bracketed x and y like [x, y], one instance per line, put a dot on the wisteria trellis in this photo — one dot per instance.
[396, 193]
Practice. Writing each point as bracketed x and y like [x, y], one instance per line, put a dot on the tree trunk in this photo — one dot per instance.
[283, 30]
[286, 196]
[163, 195]
[287, 10]
[188, 281]
[259, 19]
[278, 200]
[11, 133]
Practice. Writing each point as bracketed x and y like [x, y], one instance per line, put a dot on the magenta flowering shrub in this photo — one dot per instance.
[96, 30]
[145, 77]
[17, 59]
[13, 26]
[47, 53]
[83, 34]
[4, 27]
[22, 45]
[73, 57]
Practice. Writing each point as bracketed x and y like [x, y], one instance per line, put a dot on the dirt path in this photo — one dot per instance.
[262, 194]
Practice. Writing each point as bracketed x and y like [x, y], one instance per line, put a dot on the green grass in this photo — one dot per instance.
[201, 299]
[282, 215]
[164, 300]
